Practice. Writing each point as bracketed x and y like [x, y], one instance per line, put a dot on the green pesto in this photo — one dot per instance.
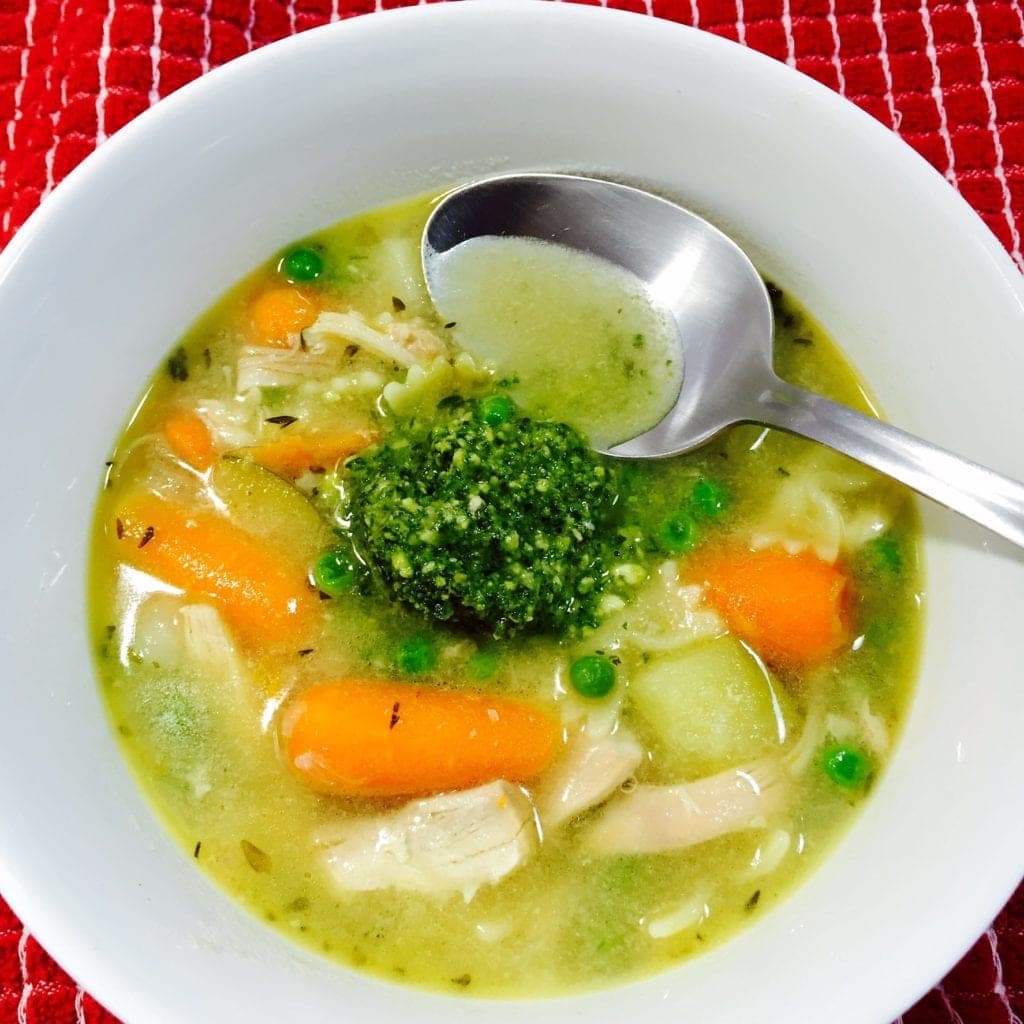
[501, 523]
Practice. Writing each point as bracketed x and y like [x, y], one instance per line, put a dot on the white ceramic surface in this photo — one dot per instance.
[150, 230]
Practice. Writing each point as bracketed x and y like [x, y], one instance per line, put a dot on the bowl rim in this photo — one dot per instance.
[68, 939]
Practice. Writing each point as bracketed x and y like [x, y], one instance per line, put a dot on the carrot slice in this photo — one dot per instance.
[793, 610]
[355, 738]
[296, 454]
[190, 439]
[261, 592]
[278, 314]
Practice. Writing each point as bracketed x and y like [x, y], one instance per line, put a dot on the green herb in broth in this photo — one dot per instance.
[199, 708]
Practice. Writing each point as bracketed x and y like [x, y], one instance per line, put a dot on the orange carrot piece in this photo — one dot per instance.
[261, 592]
[189, 438]
[278, 314]
[354, 738]
[295, 454]
[793, 610]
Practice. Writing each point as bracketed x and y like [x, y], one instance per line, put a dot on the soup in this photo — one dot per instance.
[437, 691]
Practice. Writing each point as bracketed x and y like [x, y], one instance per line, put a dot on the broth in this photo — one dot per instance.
[199, 691]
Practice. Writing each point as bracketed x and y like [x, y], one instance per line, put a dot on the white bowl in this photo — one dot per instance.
[151, 229]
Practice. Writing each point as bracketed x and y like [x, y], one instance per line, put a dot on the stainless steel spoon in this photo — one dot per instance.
[724, 318]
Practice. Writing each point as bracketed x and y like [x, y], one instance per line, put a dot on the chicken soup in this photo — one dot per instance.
[438, 691]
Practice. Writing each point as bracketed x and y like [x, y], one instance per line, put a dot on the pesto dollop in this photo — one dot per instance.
[497, 522]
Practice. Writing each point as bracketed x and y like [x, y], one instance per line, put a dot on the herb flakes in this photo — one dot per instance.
[256, 858]
[177, 365]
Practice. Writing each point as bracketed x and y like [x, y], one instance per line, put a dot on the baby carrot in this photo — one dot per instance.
[793, 610]
[279, 314]
[189, 438]
[355, 738]
[261, 592]
[295, 454]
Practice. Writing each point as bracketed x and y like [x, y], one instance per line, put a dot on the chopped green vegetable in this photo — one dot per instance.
[416, 654]
[336, 572]
[885, 554]
[506, 527]
[882, 632]
[593, 675]
[679, 533]
[710, 498]
[846, 766]
[302, 264]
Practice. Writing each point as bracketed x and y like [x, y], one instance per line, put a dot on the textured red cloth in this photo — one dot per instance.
[949, 77]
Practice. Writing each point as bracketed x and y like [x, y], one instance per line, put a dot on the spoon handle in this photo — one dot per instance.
[989, 498]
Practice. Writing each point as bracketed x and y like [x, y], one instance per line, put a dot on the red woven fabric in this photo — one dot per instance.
[949, 77]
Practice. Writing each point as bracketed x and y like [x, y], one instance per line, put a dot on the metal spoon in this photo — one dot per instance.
[724, 318]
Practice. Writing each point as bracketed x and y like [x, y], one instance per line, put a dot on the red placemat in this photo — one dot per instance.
[948, 77]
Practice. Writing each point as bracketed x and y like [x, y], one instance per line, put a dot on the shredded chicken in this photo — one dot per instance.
[402, 343]
[452, 843]
[260, 366]
[589, 772]
[652, 819]
[232, 424]
[423, 344]
[209, 647]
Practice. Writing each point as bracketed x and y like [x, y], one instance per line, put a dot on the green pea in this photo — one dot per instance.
[496, 409]
[416, 654]
[710, 498]
[593, 675]
[302, 264]
[679, 532]
[484, 663]
[846, 766]
[335, 572]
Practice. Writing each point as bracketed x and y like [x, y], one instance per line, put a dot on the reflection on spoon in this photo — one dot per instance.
[724, 327]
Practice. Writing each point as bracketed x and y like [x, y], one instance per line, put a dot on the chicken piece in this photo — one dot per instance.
[233, 423]
[452, 843]
[209, 647]
[652, 819]
[589, 772]
[404, 344]
[260, 366]
[420, 342]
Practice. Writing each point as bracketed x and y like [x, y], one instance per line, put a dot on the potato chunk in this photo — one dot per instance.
[711, 706]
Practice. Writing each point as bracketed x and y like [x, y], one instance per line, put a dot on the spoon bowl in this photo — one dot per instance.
[722, 314]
